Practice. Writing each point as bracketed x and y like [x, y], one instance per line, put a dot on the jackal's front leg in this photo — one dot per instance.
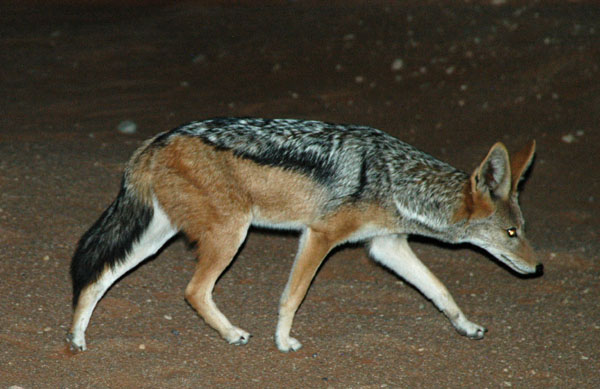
[313, 249]
[394, 252]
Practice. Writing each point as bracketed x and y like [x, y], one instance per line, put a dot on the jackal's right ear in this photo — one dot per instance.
[493, 174]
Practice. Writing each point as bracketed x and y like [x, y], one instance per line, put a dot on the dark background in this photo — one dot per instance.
[451, 78]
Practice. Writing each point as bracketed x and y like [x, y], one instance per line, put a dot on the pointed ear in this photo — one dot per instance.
[493, 174]
[520, 162]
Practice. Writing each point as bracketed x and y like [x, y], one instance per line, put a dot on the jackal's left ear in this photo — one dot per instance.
[520, 162]
[493, 174]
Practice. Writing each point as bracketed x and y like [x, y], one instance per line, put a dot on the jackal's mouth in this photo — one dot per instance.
[515, 266]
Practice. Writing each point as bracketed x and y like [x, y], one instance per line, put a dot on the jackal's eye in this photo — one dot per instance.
[511, 232]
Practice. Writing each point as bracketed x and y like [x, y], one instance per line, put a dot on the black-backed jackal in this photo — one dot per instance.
[213, 179]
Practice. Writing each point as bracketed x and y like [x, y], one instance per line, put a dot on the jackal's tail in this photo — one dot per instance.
[111, 238]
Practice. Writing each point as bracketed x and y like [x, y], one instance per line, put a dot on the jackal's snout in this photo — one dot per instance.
[521, 258]
[535, 266]
[534, 269]
[520, 265]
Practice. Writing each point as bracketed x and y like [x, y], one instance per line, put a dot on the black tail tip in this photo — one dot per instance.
[539, 269]
[75, 298]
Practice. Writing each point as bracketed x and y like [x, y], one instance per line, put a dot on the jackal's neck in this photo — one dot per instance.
[428, 196]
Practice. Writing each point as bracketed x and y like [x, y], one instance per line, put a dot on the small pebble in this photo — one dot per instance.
[398, 64]
[142, 346]
[168, 317]
[200, 58]
[127, 127]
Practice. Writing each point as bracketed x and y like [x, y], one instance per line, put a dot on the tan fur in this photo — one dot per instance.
[519, 163]
[312, 252]
[138, 172]
[475, 205]
[216, 184]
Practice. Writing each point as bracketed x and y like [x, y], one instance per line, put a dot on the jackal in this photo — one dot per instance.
[213, 179]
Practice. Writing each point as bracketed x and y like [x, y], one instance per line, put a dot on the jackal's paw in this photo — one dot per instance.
[287, 344]
[76, 343]
[471, 330]
[478, 333]
[237, 336]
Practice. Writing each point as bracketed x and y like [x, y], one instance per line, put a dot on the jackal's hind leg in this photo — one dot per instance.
[395, 253]
[216, 250]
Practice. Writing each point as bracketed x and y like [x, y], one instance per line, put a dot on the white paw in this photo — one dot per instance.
[470, 329]
[287, 344]
[237, 336]
[477, 332]
[76, 343]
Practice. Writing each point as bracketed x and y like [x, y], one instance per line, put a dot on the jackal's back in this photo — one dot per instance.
[354, 162]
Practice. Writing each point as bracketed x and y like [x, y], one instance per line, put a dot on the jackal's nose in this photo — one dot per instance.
[539, 269]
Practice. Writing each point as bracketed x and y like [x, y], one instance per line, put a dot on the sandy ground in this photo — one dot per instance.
[451, 78]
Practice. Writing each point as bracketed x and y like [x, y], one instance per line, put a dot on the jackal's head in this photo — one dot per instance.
[490, 205]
